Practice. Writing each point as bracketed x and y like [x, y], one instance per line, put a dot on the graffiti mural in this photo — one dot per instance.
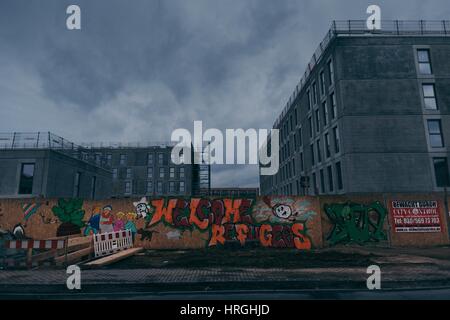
[356, 223]
[231, 221]
[70, 213]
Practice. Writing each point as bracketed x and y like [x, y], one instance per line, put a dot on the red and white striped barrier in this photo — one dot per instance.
[34, 244]
[111, 242]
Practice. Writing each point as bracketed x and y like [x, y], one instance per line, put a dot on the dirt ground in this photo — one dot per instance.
[253, 258]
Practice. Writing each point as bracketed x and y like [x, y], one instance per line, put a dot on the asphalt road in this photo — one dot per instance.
[422, 294]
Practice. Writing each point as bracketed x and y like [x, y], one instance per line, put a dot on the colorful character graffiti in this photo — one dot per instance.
[70, 213]
[228, 221]
[106, 219]
[356, 223]
[142, 208]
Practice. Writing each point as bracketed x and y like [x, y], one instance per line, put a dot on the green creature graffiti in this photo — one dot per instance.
[355, 222]
[70, 213]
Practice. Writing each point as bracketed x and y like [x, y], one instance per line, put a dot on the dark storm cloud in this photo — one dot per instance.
[139, 69]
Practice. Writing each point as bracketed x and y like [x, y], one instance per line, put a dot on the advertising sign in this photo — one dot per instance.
[416, 216]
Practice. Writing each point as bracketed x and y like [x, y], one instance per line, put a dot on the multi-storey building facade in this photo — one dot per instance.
[371, 113]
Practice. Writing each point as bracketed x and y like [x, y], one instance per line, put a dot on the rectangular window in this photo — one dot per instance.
[319, 154]
[308, 96]
[182, 186]
[330, 72]
[315, 189]
[314, 92]
[150, 159]
[310, 127]
[129, 173]
[93, 186]
[293, 167]
[150, 172]
[160, 158]
[423, 58]
[322, 181]
[181, 173]
[327, 145]
[172, 172]
[336, 139]
[435, 133]
[26, 178]
[312, 154]
[325, 113]
[441, 172]
[123, 159]
[302, 164]
[330, 179]
[76, 185]
[171, 186]
[115, 172]
[98, 158]
[159, 187]
[295, 115]
[322, 83]
[109, 159]
[339, 176]
[429, 96]
[317, 120]
[333, 106]
[149, 187]
[128, 187]
[300, 138]
[161, 172]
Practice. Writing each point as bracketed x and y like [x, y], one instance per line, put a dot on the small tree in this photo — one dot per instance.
[70, 213]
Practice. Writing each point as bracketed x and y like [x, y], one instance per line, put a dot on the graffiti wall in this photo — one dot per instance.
[170, 223]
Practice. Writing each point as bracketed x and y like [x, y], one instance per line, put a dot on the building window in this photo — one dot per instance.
[302, 164]
[310, 127]
[129, 173]
[336, 139]
[182, 189]
[160, 158]
[423, 58]
[76, 185]
[114, 172]
[109, 159]
[149, 187]
[317, 120]
[295, 115]
[314, 92]
[172, 172]
[441, 172]
[171, 186]
[319, 154]
[161, 172]
[300, 138]
[322, 83]
[149, 172]
[429, 96]
[330, 72]
[330, 179]
[150, 159]
[308, 96]
[293, 167]
[181, 173]
[333, 106]
[435, 133]
[123, 159]
[98, 159]
[325, 113]
[315, 189]
[339, 176]
[327, 145]
[322, 181]
[128, 187]
[159, 187]
[312, 154]
[26, 178]
[93, 187]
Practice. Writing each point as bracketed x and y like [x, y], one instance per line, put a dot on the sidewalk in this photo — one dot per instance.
[399, 270]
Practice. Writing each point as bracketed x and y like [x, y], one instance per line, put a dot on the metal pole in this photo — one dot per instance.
[13, 140]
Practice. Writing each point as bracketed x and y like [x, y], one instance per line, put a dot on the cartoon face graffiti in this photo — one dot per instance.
[282, 211]
[142, 208]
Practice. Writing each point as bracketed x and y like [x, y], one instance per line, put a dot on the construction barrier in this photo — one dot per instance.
[111, 242]
[34, 244]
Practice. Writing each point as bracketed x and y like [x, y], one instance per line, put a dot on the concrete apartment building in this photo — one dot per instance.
[370, 114]
[147, 170]
[45, 165]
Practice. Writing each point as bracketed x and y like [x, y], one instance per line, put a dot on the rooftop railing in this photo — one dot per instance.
[359, 28]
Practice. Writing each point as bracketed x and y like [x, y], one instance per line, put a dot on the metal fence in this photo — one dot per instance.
[359, 28]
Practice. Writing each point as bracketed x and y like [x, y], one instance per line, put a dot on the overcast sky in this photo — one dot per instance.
[140, 69]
